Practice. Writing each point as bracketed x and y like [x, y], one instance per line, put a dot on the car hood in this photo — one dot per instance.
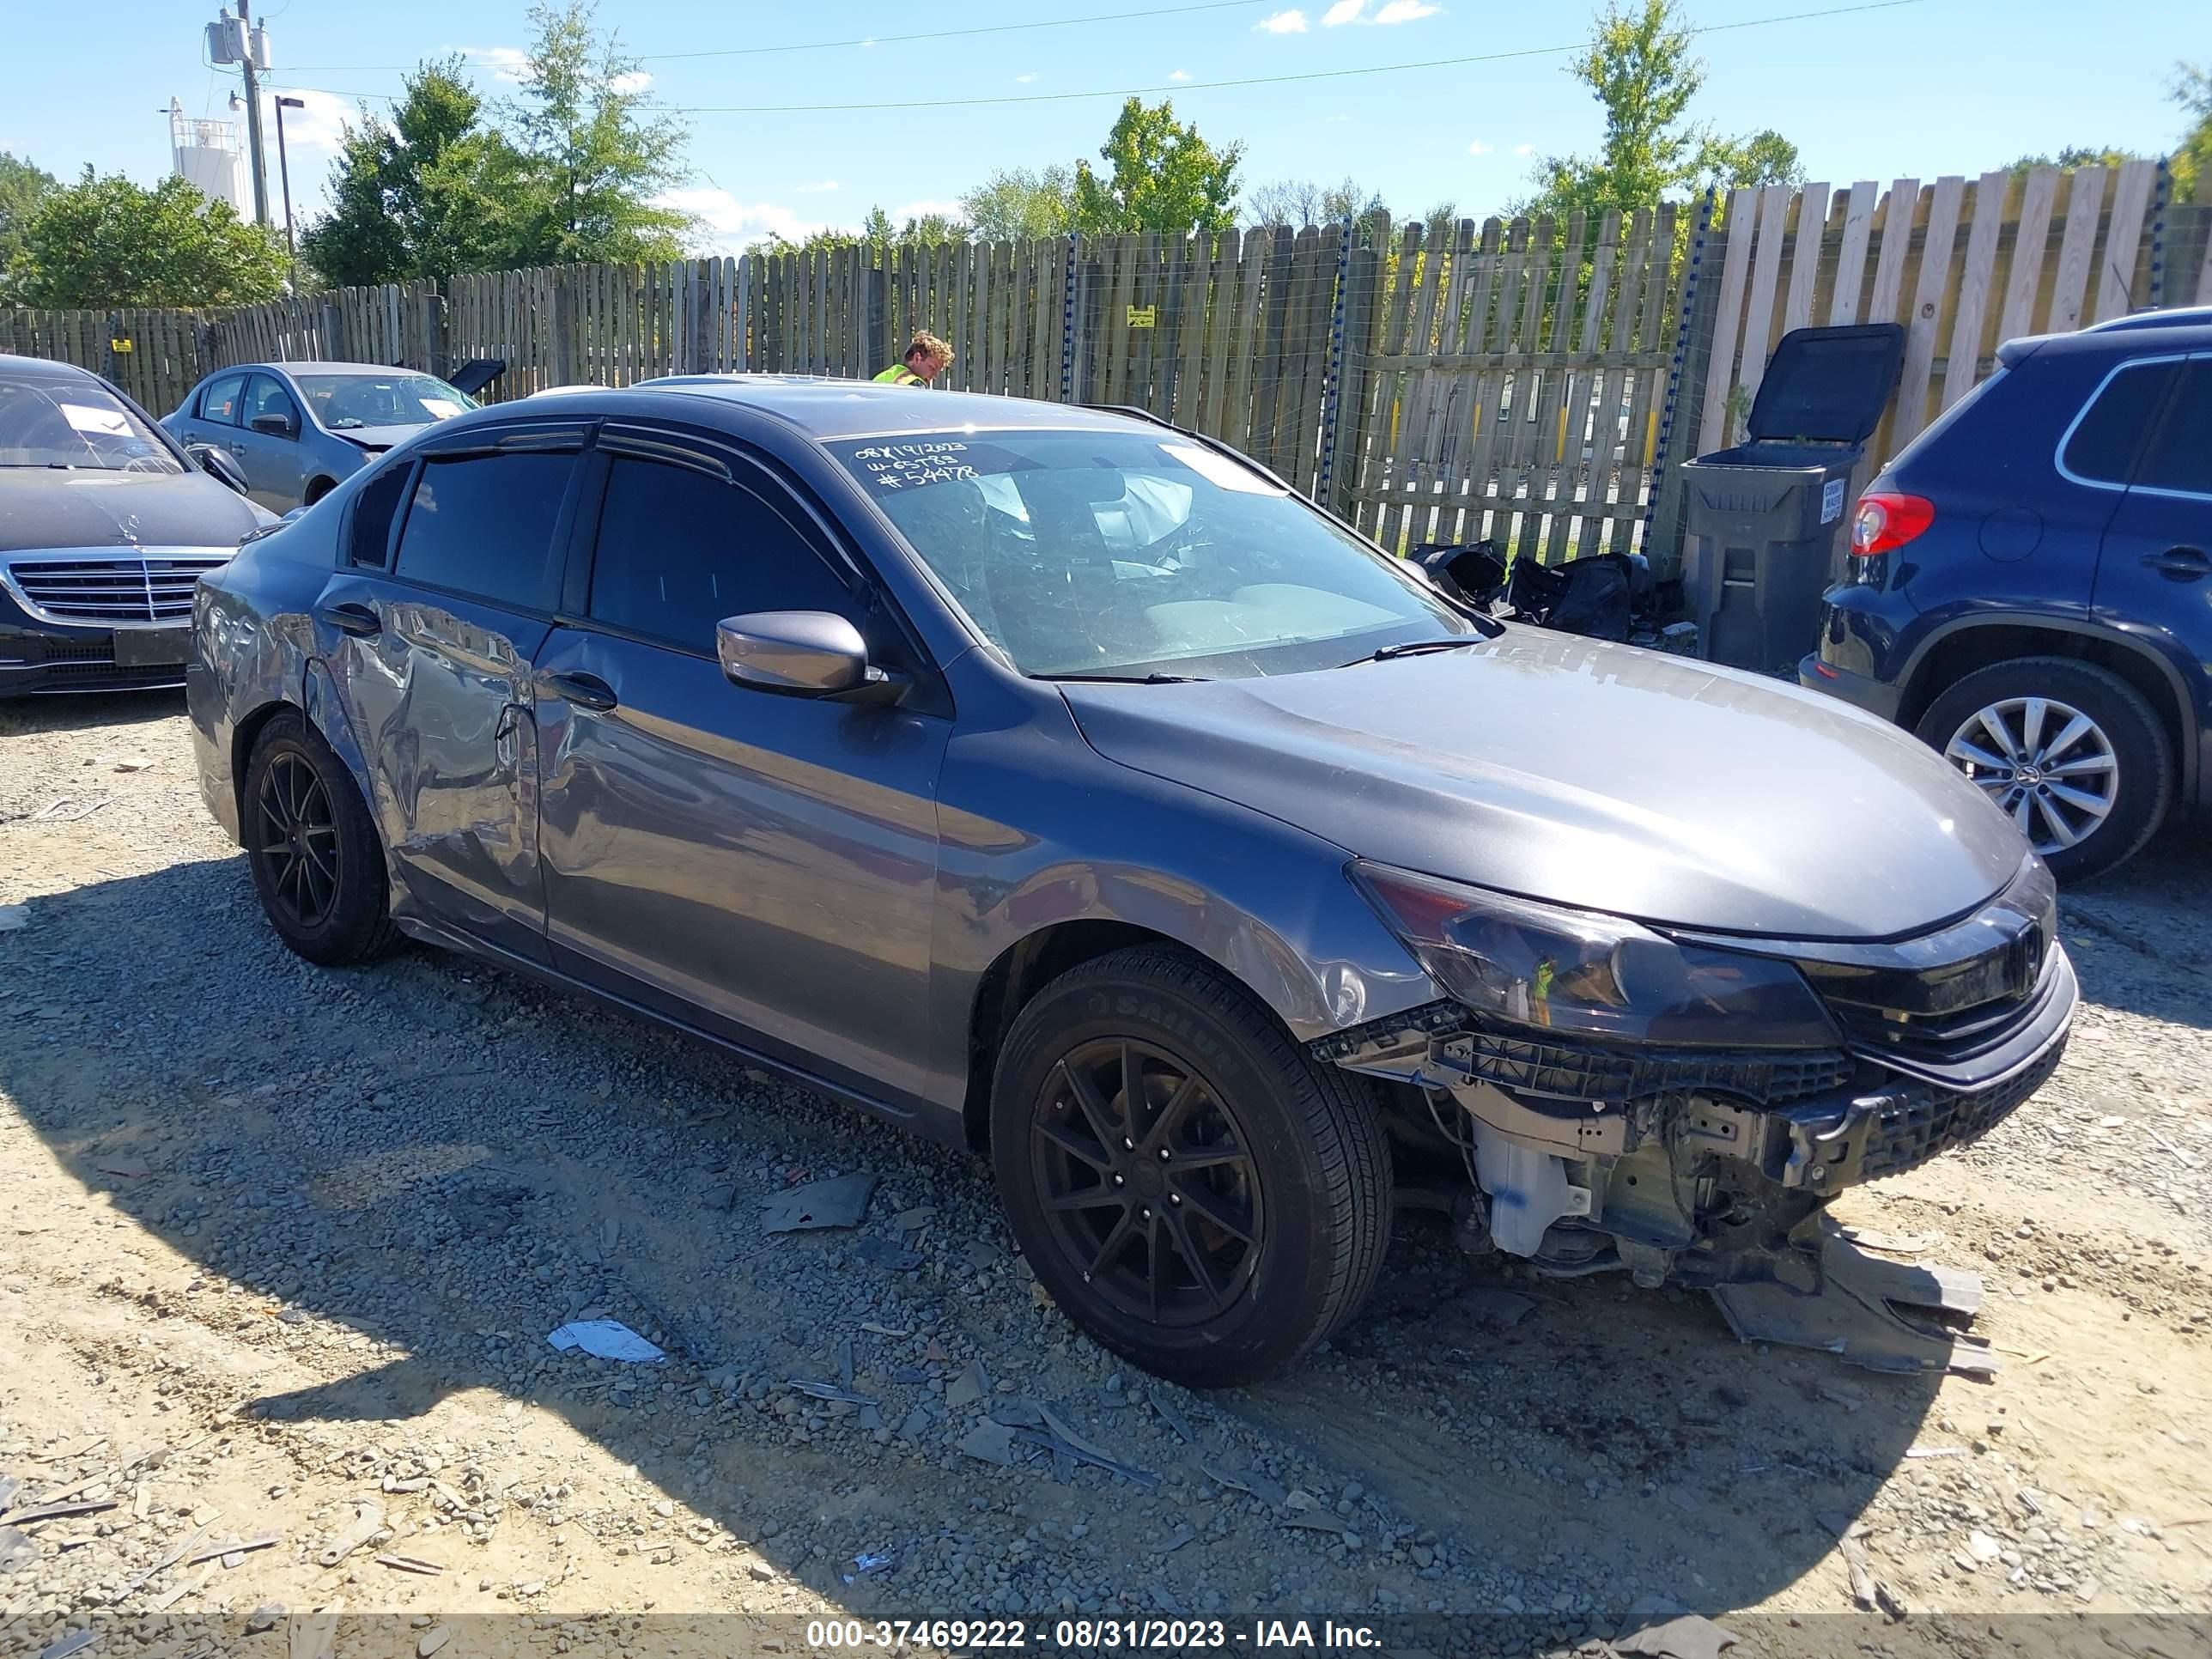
[1590, 774]
[46, 507]
[374, 437]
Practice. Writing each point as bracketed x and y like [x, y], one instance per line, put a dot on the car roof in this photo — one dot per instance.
[2187, 328]
[43, 368]
[317, 367]
[826, 409]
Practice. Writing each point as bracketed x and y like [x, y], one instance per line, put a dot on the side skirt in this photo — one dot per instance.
[920, 1117]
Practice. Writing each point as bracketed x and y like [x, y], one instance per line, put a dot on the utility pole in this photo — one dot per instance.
[253, 117]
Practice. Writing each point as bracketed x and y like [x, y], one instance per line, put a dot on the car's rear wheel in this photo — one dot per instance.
[2070, 752]
[317, 864]
[1191, 1188]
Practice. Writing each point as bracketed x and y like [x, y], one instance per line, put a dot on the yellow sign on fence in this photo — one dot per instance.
[1143, 316]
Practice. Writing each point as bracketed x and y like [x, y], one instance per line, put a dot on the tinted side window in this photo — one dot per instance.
[265, 396]
[220, 400]
[483, 525]
[679, 551]
[2180, 456]
[2105, 442]
[369, 540]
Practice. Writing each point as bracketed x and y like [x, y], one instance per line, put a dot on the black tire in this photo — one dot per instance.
[1291, 1153]
[2133, 776]
[317, 489]
[322, 888]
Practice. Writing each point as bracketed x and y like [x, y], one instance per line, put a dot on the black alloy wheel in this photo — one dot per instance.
[297, 834]
[1148, 1182]
[1187, 1183]
[317, 863]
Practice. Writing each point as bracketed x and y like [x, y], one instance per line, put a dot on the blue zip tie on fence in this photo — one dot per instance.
[1680, 358]
[1067, 326]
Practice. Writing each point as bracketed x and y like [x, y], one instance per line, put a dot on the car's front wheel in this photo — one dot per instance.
[1191, 1188]
[317, 863]
[2070, 752]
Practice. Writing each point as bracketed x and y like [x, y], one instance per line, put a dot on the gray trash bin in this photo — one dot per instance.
[1763, 516]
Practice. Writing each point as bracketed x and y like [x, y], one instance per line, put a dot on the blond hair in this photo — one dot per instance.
[930, 346]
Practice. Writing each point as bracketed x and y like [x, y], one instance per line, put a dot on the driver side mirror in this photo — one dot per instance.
[217, 465]
[802, 653]
[277, 425]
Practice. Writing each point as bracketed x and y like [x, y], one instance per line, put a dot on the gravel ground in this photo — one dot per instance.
[280, 1248]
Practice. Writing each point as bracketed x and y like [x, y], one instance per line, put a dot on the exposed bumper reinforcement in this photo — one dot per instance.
[1853, 1312]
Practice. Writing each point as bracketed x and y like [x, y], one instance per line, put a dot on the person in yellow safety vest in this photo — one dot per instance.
[926, 358]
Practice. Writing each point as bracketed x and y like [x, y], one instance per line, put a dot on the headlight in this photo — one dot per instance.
[1595, 975]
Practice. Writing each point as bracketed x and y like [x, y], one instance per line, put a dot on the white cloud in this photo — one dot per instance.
[1292, 22]
[1524, 149]
[320, 127]
[907, 211]
[1478, 148]
[1179, 75]
[634, 80]
[1393, 11]
[1023, 80]
[816, 187]
[738, 224]
[505, 62]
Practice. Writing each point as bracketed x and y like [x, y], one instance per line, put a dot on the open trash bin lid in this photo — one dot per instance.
[1827, 385]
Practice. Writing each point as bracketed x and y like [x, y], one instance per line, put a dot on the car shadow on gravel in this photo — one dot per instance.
[2142, 937]
[449, 1161]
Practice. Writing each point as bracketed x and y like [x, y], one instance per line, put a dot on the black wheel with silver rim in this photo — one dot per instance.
[2071, 752]
[1189, 1186]
[317, 864]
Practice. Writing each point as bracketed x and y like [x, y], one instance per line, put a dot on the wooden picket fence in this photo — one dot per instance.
[1963, 264]
[1517, 384]
[1531, 381]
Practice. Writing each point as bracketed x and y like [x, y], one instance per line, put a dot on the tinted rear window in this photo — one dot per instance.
[483, 525]
[369, 541]
[2181, 457]
[2109, 435]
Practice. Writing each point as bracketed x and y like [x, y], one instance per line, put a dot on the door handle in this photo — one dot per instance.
[351, 616]
[2180, 564]
[585, 690]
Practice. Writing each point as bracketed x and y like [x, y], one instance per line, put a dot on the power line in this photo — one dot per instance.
[862, 40]
[1179, 87]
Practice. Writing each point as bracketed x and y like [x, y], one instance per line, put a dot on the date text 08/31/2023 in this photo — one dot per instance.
[1293, 1635]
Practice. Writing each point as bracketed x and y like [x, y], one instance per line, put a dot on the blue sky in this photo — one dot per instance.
[1922, 88]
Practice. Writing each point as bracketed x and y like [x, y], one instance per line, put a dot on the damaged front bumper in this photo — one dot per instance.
[1701, 1167]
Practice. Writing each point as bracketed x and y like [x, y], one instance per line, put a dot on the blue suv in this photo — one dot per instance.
[2030, 586]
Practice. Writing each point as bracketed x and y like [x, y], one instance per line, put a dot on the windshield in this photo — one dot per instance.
[1125, 554]
[76, 423]
[344, 401]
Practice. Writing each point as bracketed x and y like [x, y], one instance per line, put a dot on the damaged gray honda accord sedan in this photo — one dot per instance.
[1061, 784]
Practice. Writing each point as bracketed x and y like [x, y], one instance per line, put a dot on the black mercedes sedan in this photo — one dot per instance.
[106, 524]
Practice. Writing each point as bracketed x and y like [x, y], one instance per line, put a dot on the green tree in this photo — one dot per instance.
[2191, 160]
[590, 156]
[1165, 177]
[426, 196]
[22, 187]
[2075, 155]
[109, 242]
[1016, 204]
[1639, 67]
